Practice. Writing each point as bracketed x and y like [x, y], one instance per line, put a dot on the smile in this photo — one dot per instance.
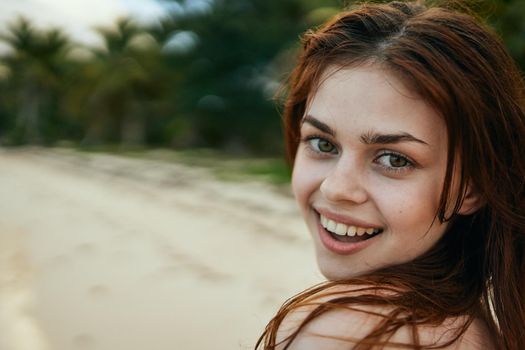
[346, 230]
[344, 239]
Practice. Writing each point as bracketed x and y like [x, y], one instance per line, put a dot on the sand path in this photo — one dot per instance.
[102, 252]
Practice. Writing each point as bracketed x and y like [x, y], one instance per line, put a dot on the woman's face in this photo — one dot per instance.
[369, 172]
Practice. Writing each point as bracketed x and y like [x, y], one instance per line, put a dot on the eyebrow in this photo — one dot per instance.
[318, 124]
[370, 138]
[375, 138]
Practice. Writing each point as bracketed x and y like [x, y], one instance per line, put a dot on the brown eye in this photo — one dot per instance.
[320, 145]
[325, 146]
[393, 162]
[397, 161]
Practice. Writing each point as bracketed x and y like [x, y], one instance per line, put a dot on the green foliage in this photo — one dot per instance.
[33, 82]
[508, 18]
[222, 165]
[233, 73]
[203, 77]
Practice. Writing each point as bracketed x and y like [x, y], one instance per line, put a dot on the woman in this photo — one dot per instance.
[406, 128]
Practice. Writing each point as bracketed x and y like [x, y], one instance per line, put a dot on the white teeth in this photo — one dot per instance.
[342, 229]
[330, 225]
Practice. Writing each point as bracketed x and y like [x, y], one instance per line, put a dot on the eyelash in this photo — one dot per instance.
[410, 164]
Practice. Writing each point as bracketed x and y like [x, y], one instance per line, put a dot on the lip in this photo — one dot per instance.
[343, 248]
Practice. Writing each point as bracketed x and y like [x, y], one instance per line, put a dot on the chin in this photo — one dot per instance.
[336, 270]
[334, 273]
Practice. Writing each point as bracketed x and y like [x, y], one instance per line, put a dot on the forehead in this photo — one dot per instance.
[370, 98]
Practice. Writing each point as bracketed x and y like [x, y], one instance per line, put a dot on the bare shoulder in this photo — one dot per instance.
[339, 328]
[476, 337]
[333, 330]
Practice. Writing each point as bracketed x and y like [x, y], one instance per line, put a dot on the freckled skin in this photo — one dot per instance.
[352, 179]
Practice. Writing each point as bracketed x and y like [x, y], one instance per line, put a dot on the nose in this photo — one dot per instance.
[346, 182]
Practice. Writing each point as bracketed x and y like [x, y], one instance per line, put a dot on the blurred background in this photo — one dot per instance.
[145, 201]
[173, 74]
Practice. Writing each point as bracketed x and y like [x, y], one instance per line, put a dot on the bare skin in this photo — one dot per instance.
[372, 157]
[338, 330]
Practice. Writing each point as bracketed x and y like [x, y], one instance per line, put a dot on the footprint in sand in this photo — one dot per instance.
[84, 341]
[99, 291]
[86, 248]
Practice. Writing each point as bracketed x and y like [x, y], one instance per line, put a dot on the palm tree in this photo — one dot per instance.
[122, 84]
[36, 61]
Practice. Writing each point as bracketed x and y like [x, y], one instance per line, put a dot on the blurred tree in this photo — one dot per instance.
[204, 76]
[35, 69]
[119, 86]
[232, 72]
[508, 18]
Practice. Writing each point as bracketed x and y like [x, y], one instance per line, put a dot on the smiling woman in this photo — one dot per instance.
[372, 159]
[405, 125]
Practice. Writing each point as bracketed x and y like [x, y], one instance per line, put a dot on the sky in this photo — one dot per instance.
[78, 17]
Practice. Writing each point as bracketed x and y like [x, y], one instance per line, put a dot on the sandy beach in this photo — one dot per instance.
[103, 252]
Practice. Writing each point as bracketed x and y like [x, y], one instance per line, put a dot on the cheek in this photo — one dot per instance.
[408, 202]
[306, 178]
[301, 183]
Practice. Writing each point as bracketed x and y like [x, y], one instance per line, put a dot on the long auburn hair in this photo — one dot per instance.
[477, 270]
